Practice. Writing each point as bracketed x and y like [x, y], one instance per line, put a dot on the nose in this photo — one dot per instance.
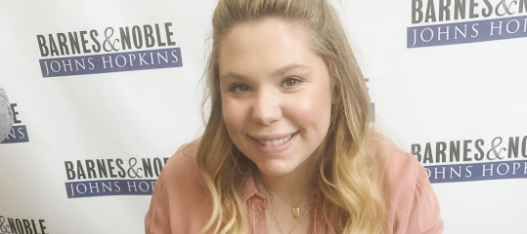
[267, 109]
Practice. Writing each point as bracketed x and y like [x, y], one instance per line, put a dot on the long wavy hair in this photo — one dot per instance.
[352, 201]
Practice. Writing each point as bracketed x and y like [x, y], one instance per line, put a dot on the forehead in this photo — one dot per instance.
[264, 45]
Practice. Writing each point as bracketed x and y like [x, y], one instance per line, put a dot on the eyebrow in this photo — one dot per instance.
[280, 72]
[285, 69]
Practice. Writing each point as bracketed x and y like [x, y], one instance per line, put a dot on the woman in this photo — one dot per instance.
[288, 147]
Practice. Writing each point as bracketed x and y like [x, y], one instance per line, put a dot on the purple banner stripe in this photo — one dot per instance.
[467, 32]
[477, 171]
[117, 62]
[18, 134]
[109, 188]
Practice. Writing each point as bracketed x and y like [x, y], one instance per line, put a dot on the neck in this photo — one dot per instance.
[295, 187]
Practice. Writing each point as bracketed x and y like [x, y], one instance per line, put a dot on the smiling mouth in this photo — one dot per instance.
[275, 142]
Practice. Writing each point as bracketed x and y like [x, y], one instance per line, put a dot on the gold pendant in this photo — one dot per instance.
[296, 212]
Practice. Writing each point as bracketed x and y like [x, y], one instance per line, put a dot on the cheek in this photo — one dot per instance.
[312, 110]
[233, 116]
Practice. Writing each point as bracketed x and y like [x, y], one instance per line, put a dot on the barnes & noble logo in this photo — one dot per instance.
[474, 160]
[104, 177]
[475, 21]
[113, 42]
[18, 133]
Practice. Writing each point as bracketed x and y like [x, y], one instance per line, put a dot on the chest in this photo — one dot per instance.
[261, 220]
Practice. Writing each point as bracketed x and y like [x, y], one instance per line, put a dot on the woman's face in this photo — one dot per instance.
[276, 94]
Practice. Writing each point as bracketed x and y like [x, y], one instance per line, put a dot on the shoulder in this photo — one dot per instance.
[412, 203]
[182, 162]
[181, 169]
[180, 176]
[180, 200]
[399, 168]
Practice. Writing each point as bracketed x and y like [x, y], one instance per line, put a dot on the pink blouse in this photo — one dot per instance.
[180, 202]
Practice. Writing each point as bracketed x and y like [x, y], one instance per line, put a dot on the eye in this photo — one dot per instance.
[239, 88]
[292, 82]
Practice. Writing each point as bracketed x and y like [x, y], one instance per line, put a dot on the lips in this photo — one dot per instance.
[273, 143]
[271, 137]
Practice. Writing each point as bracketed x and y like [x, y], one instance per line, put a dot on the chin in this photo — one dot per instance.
[275, 169]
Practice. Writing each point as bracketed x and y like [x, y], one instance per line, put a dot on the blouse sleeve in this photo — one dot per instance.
[423, 212]
[157, 219]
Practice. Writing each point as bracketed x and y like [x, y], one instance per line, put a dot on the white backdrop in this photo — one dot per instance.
[56, 171]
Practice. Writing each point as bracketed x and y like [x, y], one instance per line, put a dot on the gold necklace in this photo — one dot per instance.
[276, 219]
[295, 209]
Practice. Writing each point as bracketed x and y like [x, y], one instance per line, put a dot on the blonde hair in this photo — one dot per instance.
[351, 198]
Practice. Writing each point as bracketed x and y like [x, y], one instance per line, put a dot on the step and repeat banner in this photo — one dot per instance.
[104, 92]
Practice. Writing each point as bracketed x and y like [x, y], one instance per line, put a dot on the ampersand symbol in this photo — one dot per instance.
[493, 149]
[506, 7]
[3, 229]
[107, 42]
[132, 170]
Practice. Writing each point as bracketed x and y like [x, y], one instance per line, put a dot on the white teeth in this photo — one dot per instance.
[275, 142]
